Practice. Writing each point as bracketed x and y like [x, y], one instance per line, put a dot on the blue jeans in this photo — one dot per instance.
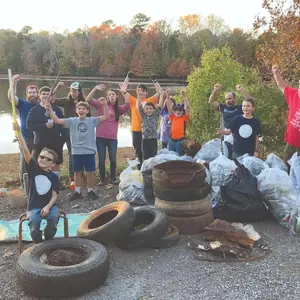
[35, 220]
[175, 146]
[112, 146]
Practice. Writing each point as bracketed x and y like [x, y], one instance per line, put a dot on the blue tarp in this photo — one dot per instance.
[9, 229]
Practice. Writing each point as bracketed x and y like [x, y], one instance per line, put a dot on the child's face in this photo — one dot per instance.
[81, 111]
[247, 107]
[178, 112]
[44, 97]
[112, 97]
[148, 110]
[45, 160]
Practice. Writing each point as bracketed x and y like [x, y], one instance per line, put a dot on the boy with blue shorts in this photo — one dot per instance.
[43, 187]
[83, 143]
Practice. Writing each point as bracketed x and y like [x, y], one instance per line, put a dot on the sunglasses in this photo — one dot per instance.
[179, 109]
[42, 157]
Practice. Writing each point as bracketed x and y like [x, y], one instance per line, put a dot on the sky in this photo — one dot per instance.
[60, 15]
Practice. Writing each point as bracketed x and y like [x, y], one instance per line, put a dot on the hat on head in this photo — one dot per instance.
[76, 86]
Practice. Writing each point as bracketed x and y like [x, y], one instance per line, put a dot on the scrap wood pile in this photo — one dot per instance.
[230, 240]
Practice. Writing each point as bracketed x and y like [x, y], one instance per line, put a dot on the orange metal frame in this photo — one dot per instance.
[24, 217]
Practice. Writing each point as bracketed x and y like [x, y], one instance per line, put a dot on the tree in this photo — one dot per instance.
[189, 24]
[217, 66]
[216, 24]
[280, 41]
[140, 20]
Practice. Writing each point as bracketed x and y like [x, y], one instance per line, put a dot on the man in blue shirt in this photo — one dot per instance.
[24, 106]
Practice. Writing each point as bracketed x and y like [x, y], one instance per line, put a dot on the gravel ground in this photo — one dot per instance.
[174, 273]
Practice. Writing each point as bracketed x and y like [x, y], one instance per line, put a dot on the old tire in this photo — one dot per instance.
[170, 239]
[189, 194]
[185, 208]
[43, 280]
[192, 225]
[156, 227]
[108, 223]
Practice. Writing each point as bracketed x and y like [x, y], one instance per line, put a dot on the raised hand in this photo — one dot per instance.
[16, 78]
[100, 87]
[16, 126]
[122, 88]
[217, 87]
[102, 100]
[130, 74]
[275, 69]
[239, 87]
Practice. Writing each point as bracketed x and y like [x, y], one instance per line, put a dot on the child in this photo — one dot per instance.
[179, 116]
[149, 115]
[43, 189]
[107, 132]
[83, 142]
[165, 124]
[245, 130]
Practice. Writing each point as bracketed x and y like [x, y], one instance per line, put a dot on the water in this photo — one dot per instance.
[7, 134]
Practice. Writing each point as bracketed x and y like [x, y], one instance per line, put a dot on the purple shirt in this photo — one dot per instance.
[108, 129]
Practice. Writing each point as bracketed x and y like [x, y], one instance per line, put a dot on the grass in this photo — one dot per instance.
[9, 166]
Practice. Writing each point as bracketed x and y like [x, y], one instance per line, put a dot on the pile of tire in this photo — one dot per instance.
[181, 191]
[128, 227]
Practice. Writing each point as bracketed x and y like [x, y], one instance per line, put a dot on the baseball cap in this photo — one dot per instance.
[76, 86]
[179, 107]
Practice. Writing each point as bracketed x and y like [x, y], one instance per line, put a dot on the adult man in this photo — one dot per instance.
[228, 111]
[46, 133]
[292, 98]
[136, 121]
[24, 106]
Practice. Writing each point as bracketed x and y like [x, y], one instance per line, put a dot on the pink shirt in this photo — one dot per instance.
[108, 129]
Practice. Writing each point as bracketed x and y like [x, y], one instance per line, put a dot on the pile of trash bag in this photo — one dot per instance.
[273, 161]
[220, 170]
[209, 151]
[131, 187]
[254, 164]
[277, 189]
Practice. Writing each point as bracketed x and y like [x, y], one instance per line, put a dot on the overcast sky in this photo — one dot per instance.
[59, 15]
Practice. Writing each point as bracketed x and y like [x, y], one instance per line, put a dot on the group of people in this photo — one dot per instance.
[45, 128]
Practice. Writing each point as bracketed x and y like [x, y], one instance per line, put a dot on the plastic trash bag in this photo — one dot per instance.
[241, 200]
[277, 189]
[209, 151]
[220, 170]
[225, 151]
[166, 151]
[131, 185]
[294, 162]
[273, 161]
[254, 164]
[294, 222]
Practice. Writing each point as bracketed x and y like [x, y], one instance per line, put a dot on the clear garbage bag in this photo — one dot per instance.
[254, 164]
[277, 190]
[273, 161]
[294, 162]
[220, 171]
[209, 151]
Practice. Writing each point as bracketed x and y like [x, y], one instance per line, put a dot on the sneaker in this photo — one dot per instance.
[75, 196]
[114, 181]
[92, 195]
[101, 183]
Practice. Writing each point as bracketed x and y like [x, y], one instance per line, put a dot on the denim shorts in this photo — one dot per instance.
[83, 162]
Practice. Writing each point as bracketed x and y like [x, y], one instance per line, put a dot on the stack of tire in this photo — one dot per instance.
[181, 191]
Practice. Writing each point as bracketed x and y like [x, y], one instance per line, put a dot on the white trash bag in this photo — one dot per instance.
[254, 164]
[220, 170]
[131, 188]
[273, 161]
[209, 151]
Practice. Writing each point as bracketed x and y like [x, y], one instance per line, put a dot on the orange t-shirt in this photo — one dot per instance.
[178, 126]
[136, 120]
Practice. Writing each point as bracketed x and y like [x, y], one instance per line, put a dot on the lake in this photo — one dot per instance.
[7, 136]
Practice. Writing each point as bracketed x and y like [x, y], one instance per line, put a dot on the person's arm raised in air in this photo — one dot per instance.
[53, 116]
[15, 80]
[99, 87]
[156, 85]
[186, 102]
[168, 102]
[105, 110]
[214, 104]
[123, 90]
[243, 91]
[278, 78]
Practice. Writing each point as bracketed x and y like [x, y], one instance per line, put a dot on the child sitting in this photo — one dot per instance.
[245, 130]
[83, 142]
[43, 187]
[150, 116]
[179, 116]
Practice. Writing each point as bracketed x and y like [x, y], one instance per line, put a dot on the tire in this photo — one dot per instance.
[182, 194]
[192, 225]
[109, 223]
[178, 174]
[185, 208]
[157, 226]
[170, 239]
[43, 280]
